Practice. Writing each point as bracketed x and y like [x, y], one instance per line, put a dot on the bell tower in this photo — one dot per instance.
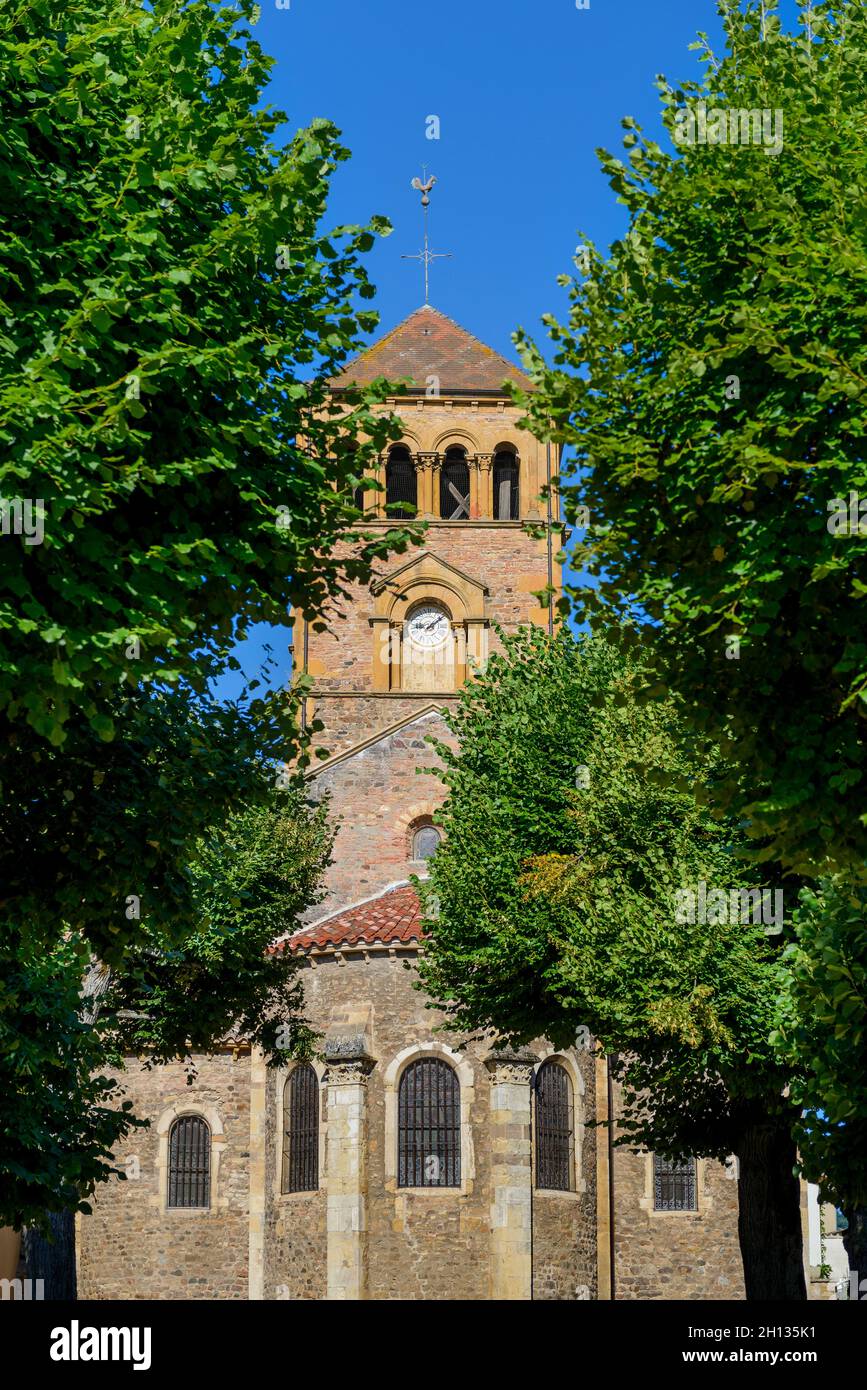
[396, 652]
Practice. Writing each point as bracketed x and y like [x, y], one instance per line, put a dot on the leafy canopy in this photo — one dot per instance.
[172, 309]
[712, 381]
[571, 824]
[62, 1107]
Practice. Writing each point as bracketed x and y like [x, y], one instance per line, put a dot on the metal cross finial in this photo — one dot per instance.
[424, 186]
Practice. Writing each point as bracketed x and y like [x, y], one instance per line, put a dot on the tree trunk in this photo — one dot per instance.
[54, 1260]
[769, 1214]
[855, 1243]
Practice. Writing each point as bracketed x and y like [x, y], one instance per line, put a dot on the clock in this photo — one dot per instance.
[428, 626]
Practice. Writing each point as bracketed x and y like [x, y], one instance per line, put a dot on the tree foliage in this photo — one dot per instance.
[173, 305]
[173, 309]
[62, 1105]
[571, 826]
[712, 380]
[559, 905]
[823, 1018]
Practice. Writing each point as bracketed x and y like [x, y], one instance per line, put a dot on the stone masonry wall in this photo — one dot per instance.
[509, 563]
[376, 795]
[133, 1246]
[675, 1255]
[432, 1245]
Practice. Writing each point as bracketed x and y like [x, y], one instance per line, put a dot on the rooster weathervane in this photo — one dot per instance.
[424, 185]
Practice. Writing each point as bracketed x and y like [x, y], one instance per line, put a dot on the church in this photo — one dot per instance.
[405, 1162]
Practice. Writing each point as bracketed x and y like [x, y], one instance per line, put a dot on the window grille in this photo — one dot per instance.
[555, 1135]
[674, 1185]
[401, 489]
[189, 1162]
[301, 1130]
[429, 1119]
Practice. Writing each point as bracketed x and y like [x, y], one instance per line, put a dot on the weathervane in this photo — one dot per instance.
[424, 186]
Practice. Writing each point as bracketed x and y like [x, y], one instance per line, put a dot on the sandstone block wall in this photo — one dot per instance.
[676, 1255]
[133, 1246]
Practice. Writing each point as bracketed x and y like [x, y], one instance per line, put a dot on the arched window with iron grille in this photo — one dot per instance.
[555, 1129]
[455, 485]
[401, 487]
[506, 497]
[301, 1130]
[674, 1185]
[189, 1162]
[429, 1125]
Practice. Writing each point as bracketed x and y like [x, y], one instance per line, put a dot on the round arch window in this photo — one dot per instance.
[426, 841]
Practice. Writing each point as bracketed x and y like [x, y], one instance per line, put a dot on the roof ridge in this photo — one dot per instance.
[378, 342]
[406, 352]
[378, 920]
[353, 907]
[460, 327]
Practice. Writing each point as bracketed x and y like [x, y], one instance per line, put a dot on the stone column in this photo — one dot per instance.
[511, 1174]
[346, 1169]
[476, 645]
[459, 651]
[382, 653]
[485, 464]
[379, 495]
[428, 466]
[258, 1141]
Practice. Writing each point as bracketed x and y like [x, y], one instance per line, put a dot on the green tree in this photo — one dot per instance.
[171, 471]
[62, 1107]
[173, 310]
[712, 380]
[823, 1017]
[572, 834]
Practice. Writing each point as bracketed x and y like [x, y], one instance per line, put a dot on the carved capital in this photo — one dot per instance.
[485, 462]
[350, 1071]
[428, 460]
[515, 1067]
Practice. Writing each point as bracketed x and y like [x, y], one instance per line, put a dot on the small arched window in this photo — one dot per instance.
[429, 1125]
[189, 1162]
[455, 485]
[674, 1185]
[401, 490]
[425, 842]
[506, 499]
[555, 1129]
[301, 1130]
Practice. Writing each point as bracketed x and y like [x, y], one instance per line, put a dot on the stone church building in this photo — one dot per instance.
[404, 1162]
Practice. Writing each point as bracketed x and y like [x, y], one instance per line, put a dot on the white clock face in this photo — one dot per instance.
[428, 626]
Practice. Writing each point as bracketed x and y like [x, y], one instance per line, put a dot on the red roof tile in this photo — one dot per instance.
[426, 344]
[393, 917]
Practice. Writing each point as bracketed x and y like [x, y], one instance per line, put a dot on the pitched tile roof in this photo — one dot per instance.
[426, 344]
[394, 917]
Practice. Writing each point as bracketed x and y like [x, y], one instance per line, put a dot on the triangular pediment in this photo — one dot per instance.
[426, 565]
[428, 344]
[433, 707]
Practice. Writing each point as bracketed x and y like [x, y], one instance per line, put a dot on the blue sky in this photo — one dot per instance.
[525, 92]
